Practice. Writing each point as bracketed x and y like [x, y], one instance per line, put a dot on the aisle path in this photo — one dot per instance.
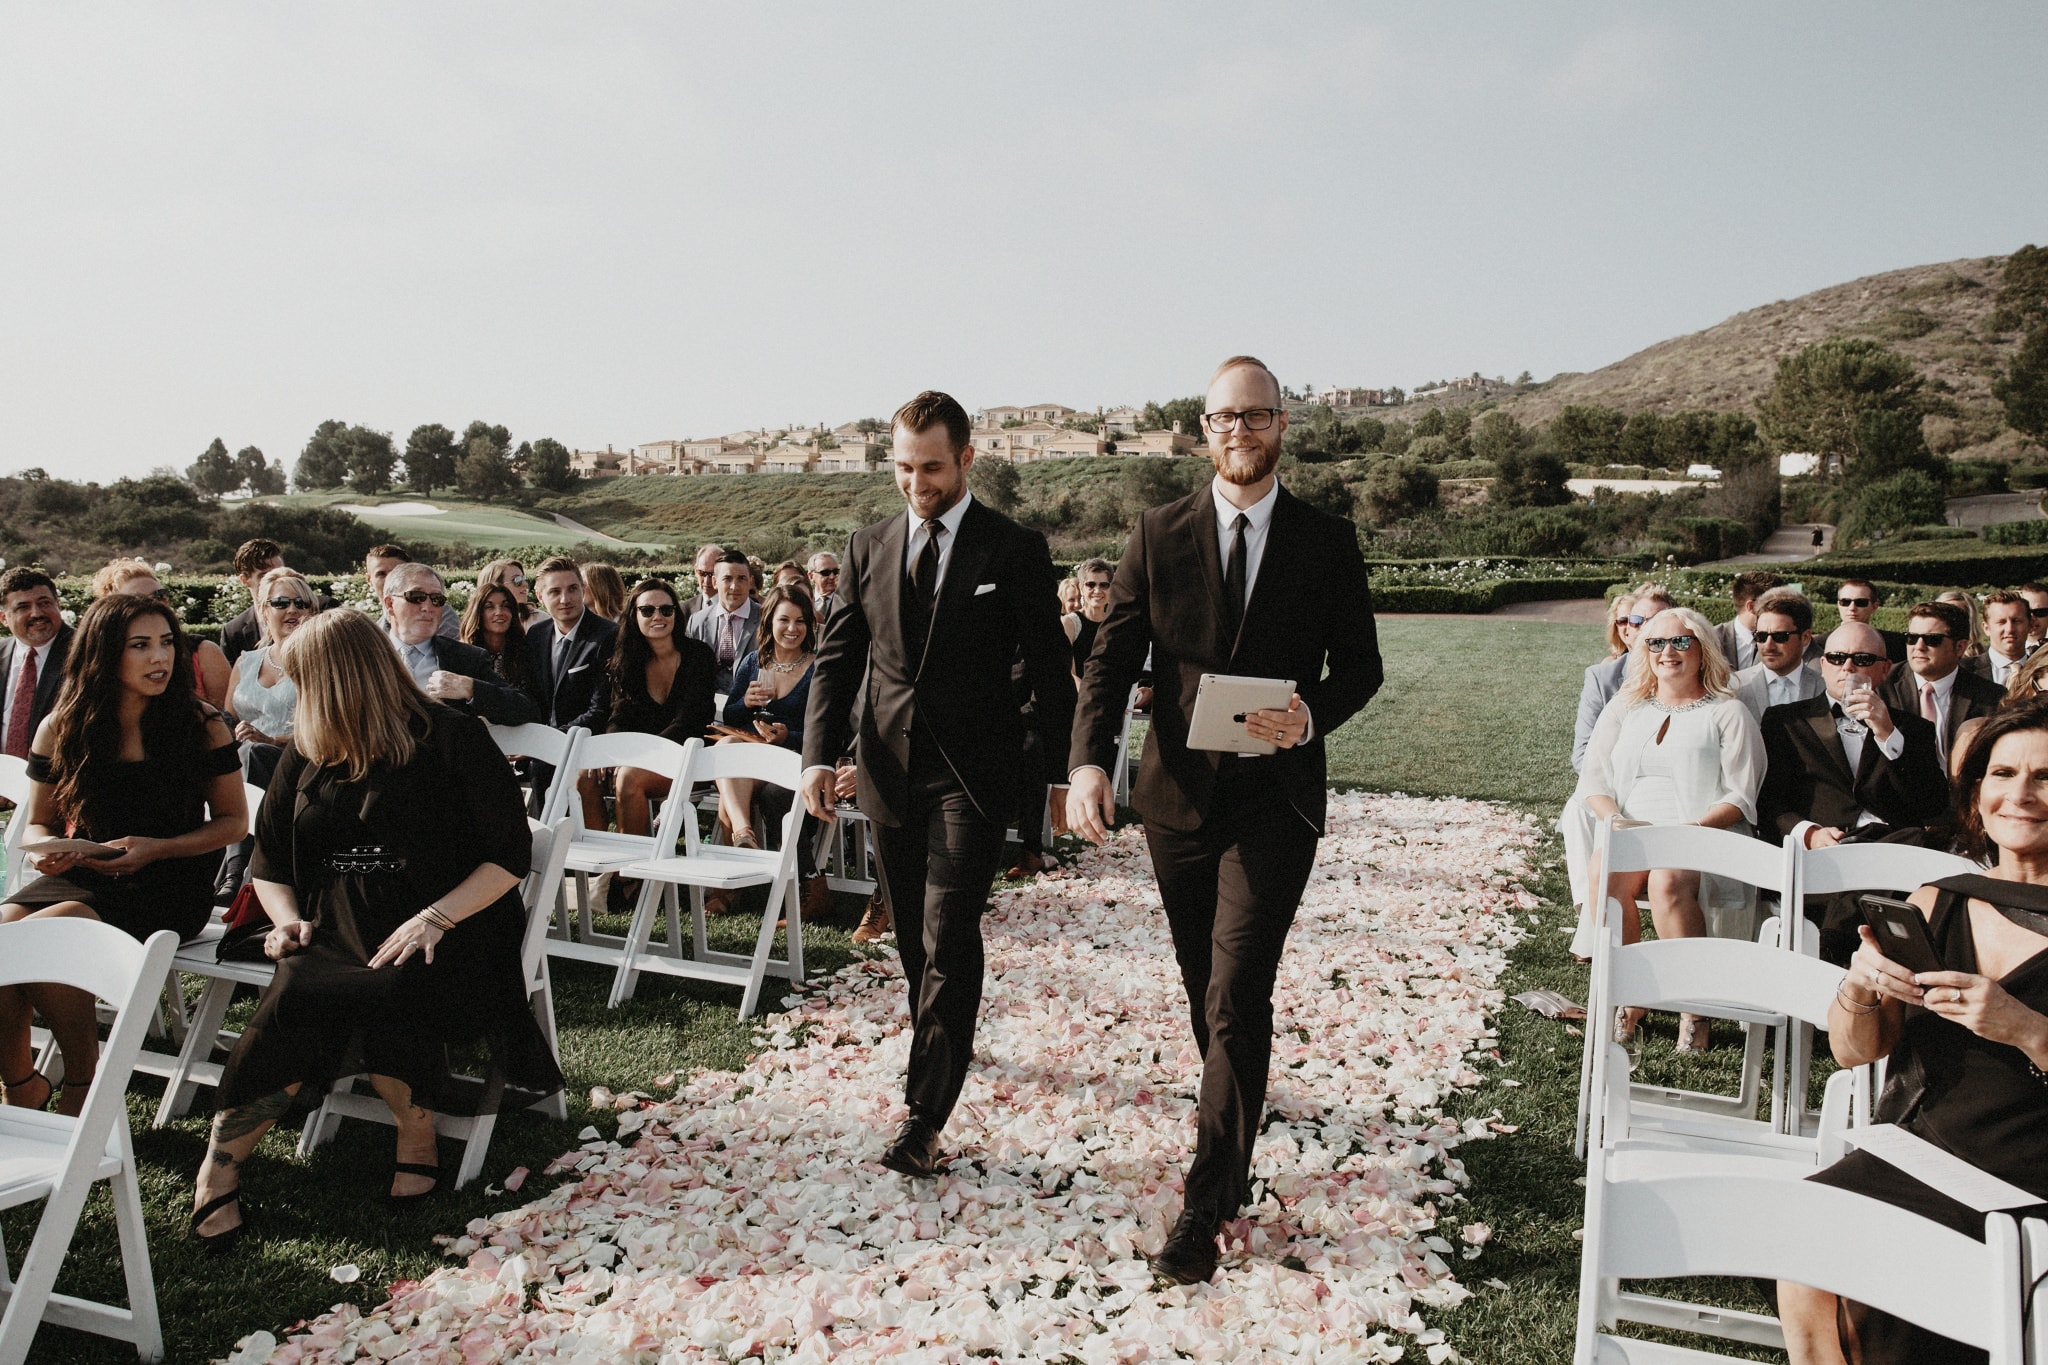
[746, 1216]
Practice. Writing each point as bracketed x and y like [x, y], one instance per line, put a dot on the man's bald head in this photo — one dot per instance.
[1849, 639]
[1854, 637]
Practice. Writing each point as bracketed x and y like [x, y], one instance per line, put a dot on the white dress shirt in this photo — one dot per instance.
[1783, 687]
[1944, 692]
[913, 543]
[1853, 732]
[42, 653]
[2002, 667]
[1258, 521]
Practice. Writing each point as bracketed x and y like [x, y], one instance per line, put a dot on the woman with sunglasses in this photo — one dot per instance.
[510, 575]
[136, 578]
[261, 697]
[1675, 747]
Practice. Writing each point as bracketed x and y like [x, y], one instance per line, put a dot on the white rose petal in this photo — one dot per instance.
[346, 1273]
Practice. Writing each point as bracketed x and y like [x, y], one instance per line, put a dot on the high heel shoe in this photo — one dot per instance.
[1625, 1027]
[405, 1201]
[1695, 1035]
[49, 1090]
[219, 1243]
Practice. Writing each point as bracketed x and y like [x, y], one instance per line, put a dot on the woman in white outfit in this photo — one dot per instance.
[1675, 747]
[261, 697]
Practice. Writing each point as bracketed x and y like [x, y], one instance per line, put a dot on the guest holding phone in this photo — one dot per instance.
[1967, 1045]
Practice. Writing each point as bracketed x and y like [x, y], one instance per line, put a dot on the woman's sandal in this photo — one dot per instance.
[1625, 1027]
[219, 1243]
[49, 1090]
[398, 1168]
[1695, 1035]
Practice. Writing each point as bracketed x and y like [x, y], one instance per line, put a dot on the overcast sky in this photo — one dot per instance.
[619, 223]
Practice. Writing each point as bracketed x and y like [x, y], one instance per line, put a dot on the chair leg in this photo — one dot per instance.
[134, 1238]
[583, 907]
[474, 1149]
[793, 897]
[323, 1121]
[764, 945]
[671, 907]
[625, 980]
[554, 1106]
[208, 1013]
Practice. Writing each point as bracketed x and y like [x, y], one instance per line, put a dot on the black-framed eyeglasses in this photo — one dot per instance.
[1254, 419]
[1933, 639]
[1775, 637]
[417, 596]
[1657, 644]
[647, 609]
[1852, 601]
[1859, 658]
[287, 603]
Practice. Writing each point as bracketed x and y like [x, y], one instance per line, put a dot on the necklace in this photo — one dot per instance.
[1693, 705]
[792, 666]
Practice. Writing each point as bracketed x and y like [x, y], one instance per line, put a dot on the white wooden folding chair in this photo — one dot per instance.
[849, 859]
[1692, 848]
[596, 851]
[703, 866]
[57, 1159]
[1120, 779]
[1659, 1216]
[13, 787]
[556, 748]
[473, 1131]
[2034, 1275]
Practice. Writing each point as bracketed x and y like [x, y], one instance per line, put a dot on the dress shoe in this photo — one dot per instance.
[915, 1149]
[1189, 1256]
[874, 922]
[816, 902]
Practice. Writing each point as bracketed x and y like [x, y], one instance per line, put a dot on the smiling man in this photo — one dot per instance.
[446, 670]
[32, 657]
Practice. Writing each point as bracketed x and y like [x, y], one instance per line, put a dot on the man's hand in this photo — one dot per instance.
[1091, 805]
[1283, 728]
[1864, 705]
[445, 686]
[846, 782]
[1823, 836]
[817, 790]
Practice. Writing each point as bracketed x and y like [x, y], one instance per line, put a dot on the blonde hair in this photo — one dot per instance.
[2025, 680]
[1616, 610]
[1639, 682]
[1975, 644]
[117, 572]
[358, 706]
[268, 583]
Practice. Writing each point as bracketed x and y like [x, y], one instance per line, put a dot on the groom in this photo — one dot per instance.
[934, 604]
[1240, 577]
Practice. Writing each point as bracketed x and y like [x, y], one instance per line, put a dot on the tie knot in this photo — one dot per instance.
[934, 528]
[1243, 521]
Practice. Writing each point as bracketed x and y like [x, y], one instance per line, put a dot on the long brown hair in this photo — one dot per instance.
[85, 724]
[631, 651]
[358, 707]
[764, 634]
[2014, 717]
[512, 659]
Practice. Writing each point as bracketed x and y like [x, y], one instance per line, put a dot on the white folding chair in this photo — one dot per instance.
[596, 851]
[849, 859]
[703, 866]
[1120, 779]
[556, 748]
[1692, 848]
[473, 1131]
[14, 787]
[2034, 1275]
[57, 1159]
[1653, 1216]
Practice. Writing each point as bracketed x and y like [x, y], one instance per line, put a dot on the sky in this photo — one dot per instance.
[623, 223]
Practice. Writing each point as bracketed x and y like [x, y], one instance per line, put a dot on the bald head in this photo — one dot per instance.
[1855, 639]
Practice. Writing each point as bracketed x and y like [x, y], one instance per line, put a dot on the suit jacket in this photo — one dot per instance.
[49, 675]
[1974, 695]
[1603, 680]
[567, 700]
[704, 623]
[1980, 664]
[495, 700]
[998, 596]
[1738, 646]
[1753, 687]
[1808, 776]
[1310, 610]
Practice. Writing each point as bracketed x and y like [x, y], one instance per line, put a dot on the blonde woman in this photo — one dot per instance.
[1674, 747]
[391, 886]
[1975, 644]
[136, 578]
[605, 590]
[1621, 632]
[261, 697]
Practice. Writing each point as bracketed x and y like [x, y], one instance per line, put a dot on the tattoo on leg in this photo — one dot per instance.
[234, 1124]
[221, 1158]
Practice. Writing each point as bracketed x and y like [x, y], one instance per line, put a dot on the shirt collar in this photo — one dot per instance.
[560, 634]
[1256, 516]
[950, 518]
[1945, 684]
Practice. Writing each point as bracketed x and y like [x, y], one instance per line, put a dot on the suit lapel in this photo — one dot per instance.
[1202, 526]
[1823, 724]
[881, 585]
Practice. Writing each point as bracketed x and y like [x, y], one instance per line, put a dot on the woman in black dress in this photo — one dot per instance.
[492, 623]
[128, 757]
[388, 859]
[1968, 1045]
[658, 681]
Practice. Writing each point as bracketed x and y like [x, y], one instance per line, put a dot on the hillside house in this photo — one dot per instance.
[1122, 421]
[1072, 444]
[1155, 443]
[1352, 398]
[788, 459]
[595, 463]
[995, 417]
[1048, 412]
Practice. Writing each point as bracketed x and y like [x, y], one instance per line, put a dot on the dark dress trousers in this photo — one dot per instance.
[494, 700]
[569, 697]
[1232, 839]
[940, 750]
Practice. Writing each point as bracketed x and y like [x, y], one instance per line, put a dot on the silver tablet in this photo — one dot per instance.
[1221, 704]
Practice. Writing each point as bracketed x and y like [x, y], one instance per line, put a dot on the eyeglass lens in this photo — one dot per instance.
[1682, 643]
[1254, 419]
[656, 609]
[1860, 659]
[1774, 637]
[1931, 638]
[1852, 601]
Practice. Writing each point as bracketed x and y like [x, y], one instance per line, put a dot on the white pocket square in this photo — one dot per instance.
[986, 587]
[577, 669]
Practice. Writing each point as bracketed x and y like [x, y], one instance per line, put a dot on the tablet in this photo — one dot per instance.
[1221, 704]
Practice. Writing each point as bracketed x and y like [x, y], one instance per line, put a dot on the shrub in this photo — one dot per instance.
[1397, 488]
[1891, 504]
[2018, 533]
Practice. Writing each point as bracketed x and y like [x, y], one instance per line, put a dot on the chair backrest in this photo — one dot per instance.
[1728, 1224]
[550, 853]
[1873, 867]
[664, 757]
[770, 763]
[14, 786]
[1721, 971]
[556, 748]
[1695, 848]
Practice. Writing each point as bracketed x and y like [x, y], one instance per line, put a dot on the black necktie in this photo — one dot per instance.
[1233, 581]
[924, 577]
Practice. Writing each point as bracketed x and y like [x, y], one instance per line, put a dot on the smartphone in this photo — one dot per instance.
[1901, 933]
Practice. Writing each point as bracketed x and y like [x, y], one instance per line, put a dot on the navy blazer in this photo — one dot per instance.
[495, 700]
[569, 699]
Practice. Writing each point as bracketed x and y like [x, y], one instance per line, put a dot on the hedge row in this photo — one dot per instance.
[1950, 564]
[1481, 598]
[2018, 533]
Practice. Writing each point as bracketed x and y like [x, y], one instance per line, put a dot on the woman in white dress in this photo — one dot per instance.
[261, 697]
[1674, 747]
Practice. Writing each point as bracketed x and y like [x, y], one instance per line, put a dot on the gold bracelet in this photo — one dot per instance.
[1853, 1005]
[434, 916]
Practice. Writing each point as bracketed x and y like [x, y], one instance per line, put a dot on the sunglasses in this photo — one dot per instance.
[1682, 643]
[1852, 601]
[1096, 587]
[1933, 639]
[828, 573]
[287, 603]
[160, 595]
[1636, 621]
[1775, 637]
[2037, 612]
[416, 596]
[647, 609]
[1859, 658]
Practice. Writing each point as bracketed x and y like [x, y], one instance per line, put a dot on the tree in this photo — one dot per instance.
[429, 458]
[250, 471]
[324, 461]
[371, 458]
[1907, 498]
[2022, 291]
[1820, 395]
[548, 467]
[499, 437]
[1431, 423]
[268, 480]
[1431, 449]
[213, 473]
[1586, 433]
[1530, 478]
[1499, 436]
[996, 482]
[1639, 439]
[2023, 388]
[1685, 439]
[1323, 489]
[1185, 414]
[1395, 489]
[483, 472]
[521, 459]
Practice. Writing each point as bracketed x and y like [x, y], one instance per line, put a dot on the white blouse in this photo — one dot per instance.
[1712, 754]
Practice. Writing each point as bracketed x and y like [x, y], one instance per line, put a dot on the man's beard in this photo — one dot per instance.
[1244, 468]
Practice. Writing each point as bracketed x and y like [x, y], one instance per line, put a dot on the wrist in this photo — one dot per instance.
[436, 917]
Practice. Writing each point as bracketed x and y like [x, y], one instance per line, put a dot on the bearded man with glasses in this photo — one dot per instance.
[446, 670]
[1783, 630]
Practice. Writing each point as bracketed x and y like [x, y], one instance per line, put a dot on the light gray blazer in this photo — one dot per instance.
[1753, 689]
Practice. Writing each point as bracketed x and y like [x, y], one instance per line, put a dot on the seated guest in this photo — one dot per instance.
[1737, 643]
[1974, 642]
[1934, 685]
[605, 591]
[492, 623]
[2028, 680]
[789, 574]
[1784, 628]
[32, 655]
[1070, 595]
[380, 560]
[131, 758]
[657, 681]
[1602, 679]
[770, 689]
[2037, 609]
[392, 889]
[1966, 1046]
[566, 651]
[254, 559]
[1094, 576]
[730, 620]
[446, 670]
[137, 579]
[260, 696]
[2007, 621]
[1674, 747]
[1857, 600]
[705, 565]
[823, 572]
[1575, 822]
[510, 575]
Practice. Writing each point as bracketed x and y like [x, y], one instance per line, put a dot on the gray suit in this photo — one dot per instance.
[704, 626]
[1738, 645]
[1603, 680]
[1753, 687]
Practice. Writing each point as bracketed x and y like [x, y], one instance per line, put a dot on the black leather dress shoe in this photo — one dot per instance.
[914, 1151]
[1189, 1256]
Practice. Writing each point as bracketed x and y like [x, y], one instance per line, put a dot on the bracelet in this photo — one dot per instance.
[1853, 1005]
[434, 916]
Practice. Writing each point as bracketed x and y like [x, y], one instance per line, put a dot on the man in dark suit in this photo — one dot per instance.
[566, 650]
[31, 657]
[1238, 578]
[446, 670]
[1934, 685]
[823, 572]
[730, 621]
[934, 605]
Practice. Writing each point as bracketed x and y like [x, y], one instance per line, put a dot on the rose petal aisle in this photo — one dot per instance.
[746, 1217]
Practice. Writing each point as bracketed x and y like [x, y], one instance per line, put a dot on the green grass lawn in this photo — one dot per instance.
[1471, 707]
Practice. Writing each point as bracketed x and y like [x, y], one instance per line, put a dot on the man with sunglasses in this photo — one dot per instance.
[2008, 621]
[1934, 685]
[1781, 676]
[823, 571]
[2037, 612]
[1857, 601]
[446, 670]
[378, 563]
